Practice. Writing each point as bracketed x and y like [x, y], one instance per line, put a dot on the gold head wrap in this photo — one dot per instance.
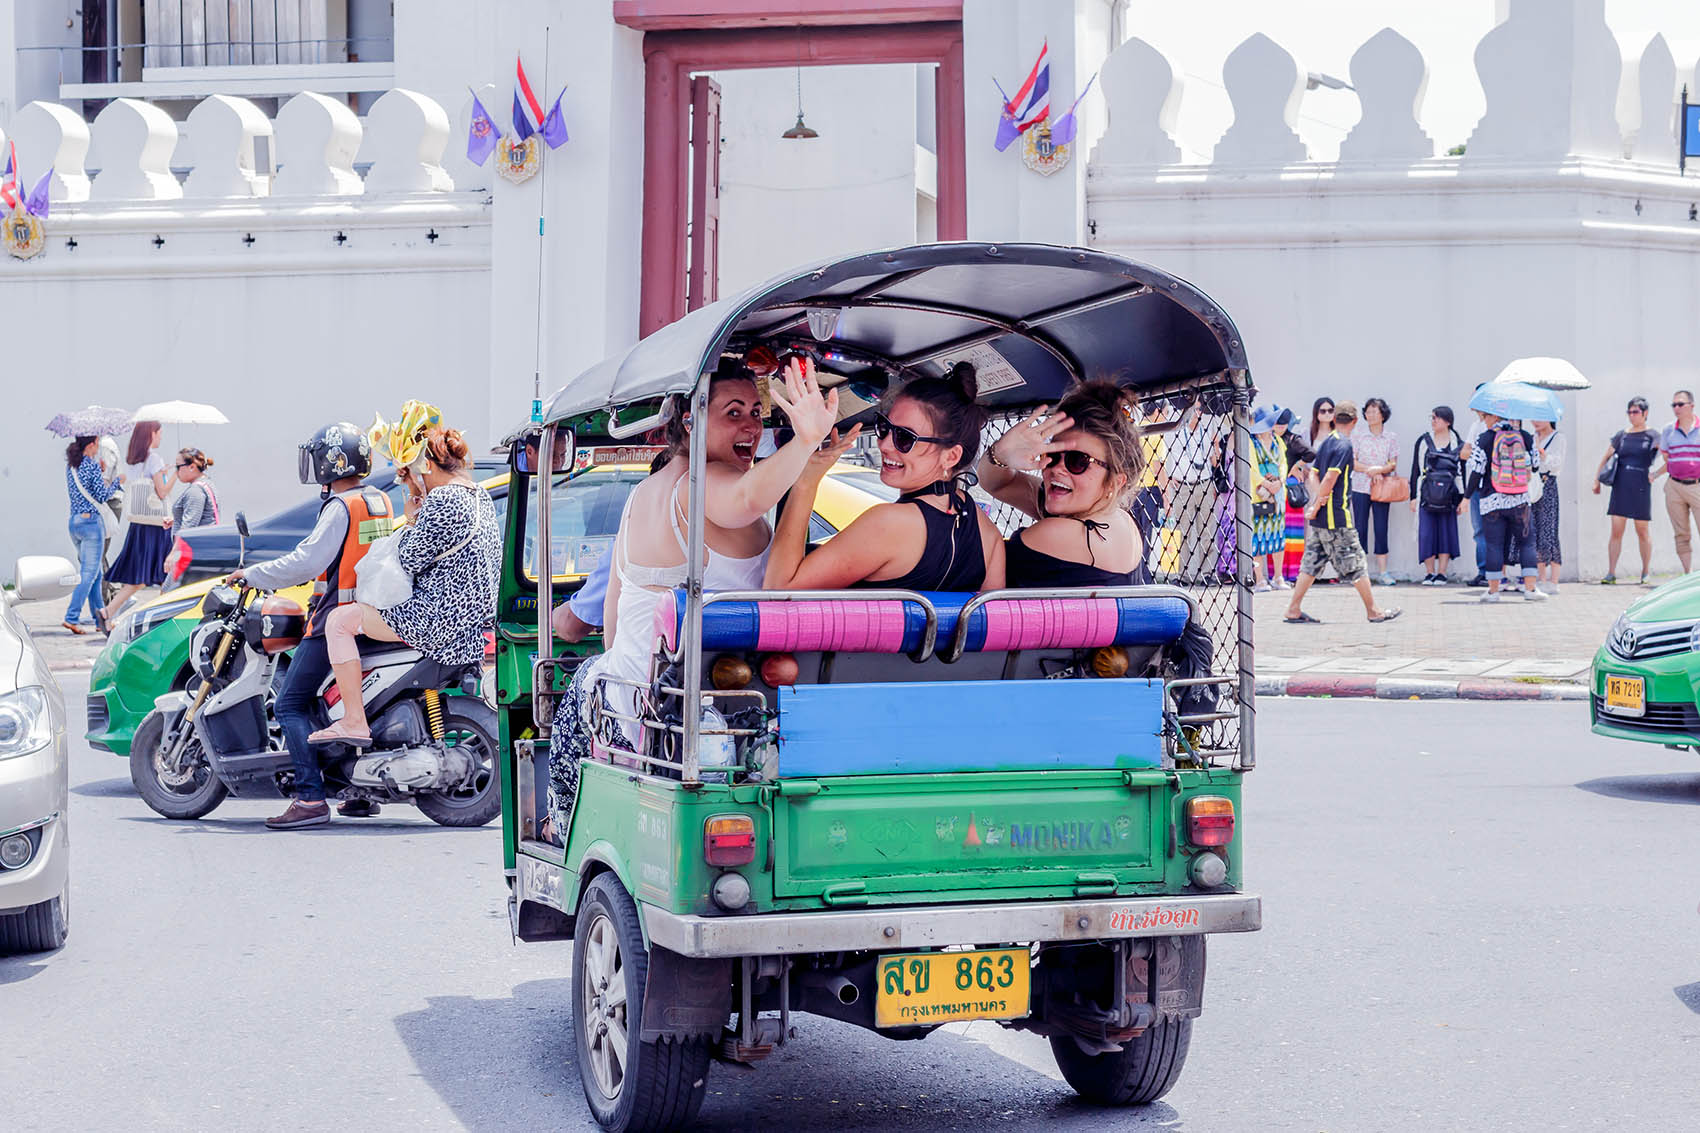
[403, 440]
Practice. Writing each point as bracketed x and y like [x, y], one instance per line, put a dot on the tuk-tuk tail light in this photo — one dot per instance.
[729, 840]
[1210, 820]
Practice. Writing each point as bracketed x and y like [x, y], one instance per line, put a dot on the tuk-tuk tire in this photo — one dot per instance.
[1146, 1068]
[665, 1081]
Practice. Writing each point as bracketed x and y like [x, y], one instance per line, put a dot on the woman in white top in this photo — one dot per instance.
[649, 551]
[148, 481]
[1375, 454]
[1548, 557]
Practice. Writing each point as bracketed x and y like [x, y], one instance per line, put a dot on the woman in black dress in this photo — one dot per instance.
[1631, 488]
[1074, 483]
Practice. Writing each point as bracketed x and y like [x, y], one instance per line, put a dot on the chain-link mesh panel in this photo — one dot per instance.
[1191, 502]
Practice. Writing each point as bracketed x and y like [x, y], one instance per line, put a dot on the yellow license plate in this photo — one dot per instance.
[946, 987]
[1626, 696]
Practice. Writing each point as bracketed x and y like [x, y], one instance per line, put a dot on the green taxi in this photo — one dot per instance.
[1646, 677]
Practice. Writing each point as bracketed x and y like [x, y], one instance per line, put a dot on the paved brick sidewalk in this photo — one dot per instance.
[63, 649]
[1445, 634]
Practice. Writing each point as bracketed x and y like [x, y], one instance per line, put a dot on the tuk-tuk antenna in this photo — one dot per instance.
[542, 207]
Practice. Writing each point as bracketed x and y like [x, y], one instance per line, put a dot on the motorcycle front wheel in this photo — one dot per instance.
[468, 723]
[195, 795]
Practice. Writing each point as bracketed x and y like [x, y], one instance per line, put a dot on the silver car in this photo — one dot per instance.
[35, 840]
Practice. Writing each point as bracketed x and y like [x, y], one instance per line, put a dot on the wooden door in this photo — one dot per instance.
[703, 276]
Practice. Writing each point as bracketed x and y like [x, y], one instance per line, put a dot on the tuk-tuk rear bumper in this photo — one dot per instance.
[885, 930]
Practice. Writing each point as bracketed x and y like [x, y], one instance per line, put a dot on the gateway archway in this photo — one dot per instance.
[683, 39]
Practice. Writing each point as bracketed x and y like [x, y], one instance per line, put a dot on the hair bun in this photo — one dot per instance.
[209, 462]
[965, 381]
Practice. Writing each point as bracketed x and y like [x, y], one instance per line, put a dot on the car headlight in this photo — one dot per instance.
[25, 723]
[138, 622]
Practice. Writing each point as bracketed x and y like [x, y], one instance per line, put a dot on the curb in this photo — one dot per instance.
[70, 666]
[1412, 688]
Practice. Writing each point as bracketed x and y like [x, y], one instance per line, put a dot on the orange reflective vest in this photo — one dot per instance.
[369, 519]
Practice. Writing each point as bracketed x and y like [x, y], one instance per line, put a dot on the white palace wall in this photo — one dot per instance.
[233, 287]
[1395, 273]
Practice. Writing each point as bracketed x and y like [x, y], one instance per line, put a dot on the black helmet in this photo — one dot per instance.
[334, 452]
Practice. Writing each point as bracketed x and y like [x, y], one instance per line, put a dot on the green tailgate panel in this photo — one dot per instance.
[1088, 831]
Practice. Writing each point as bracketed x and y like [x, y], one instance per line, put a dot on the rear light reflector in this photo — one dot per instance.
[1210, 820]
[729, 840]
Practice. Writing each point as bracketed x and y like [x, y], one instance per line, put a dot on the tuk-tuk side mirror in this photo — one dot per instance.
[242, 523]
[526, 453]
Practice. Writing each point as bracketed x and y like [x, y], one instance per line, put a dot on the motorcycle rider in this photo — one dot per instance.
[352, 516]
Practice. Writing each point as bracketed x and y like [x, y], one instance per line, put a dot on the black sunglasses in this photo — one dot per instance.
[901, 439]
[1680, 404]
[1074, 460]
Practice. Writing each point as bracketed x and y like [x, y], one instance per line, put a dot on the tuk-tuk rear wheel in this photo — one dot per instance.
[629, 1084]
[1145, 1069]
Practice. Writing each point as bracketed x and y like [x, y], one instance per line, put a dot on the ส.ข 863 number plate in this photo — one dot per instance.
[921, 988]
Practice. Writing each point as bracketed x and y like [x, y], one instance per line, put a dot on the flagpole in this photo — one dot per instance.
[542, 207]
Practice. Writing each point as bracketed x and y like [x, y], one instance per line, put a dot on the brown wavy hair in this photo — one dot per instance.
[1108, 412]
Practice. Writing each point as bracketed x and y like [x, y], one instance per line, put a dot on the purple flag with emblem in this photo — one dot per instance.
[37, 202]
[1065, 129]
[481, 135]
[555, 125]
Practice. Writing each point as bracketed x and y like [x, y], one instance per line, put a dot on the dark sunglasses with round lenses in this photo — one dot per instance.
[901, 439]
[1074, 460]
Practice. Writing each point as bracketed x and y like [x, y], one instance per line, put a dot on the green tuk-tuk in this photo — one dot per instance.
[1021, 806]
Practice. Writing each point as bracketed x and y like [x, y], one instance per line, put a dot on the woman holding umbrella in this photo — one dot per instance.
[1633, 450]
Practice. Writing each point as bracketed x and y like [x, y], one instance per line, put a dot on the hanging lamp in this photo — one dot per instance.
[801, 129]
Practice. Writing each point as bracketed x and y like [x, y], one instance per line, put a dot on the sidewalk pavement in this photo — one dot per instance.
[1445, 643]
[64, 650]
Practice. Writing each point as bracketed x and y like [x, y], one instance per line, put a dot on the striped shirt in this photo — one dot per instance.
[88, 475]
[1682, 451]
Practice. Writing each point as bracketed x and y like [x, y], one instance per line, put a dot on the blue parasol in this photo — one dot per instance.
[90, 421]
[1516, 401]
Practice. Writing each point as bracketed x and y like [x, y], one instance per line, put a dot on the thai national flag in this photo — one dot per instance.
[528, 112]
[1032, 103]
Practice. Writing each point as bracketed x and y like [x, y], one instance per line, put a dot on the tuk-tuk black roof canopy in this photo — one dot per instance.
[1053, 314]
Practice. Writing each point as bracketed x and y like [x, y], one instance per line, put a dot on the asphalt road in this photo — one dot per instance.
[1477, 916]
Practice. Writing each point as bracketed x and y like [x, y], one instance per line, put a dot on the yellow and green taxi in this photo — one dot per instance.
[148, 653]
[1646, 678]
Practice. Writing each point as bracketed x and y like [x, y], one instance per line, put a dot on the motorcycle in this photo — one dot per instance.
[218, 736]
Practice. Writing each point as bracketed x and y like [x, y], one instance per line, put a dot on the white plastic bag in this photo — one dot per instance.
[380, 580]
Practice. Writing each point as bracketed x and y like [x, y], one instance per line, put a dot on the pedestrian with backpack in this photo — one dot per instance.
[1503, 464]
[1437, 494]
[1627, 469]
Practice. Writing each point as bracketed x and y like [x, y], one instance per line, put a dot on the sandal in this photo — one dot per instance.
[1388, 614]
[1303, 619]
[74, 628]
[336, 734]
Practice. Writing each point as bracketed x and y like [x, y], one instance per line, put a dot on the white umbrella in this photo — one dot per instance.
[180, 413]
[1544, 373]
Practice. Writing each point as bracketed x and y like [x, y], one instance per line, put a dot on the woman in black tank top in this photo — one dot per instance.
[1070, 471]
[934, 537]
